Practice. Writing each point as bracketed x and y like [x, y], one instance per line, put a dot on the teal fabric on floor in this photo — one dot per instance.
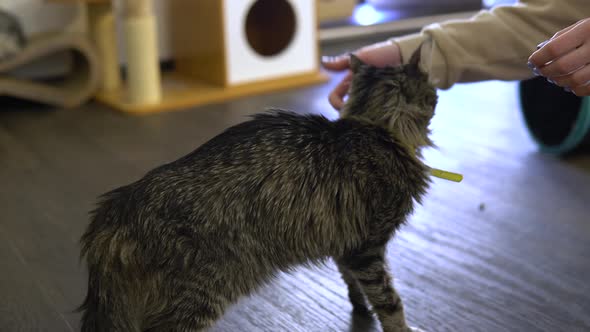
[558, 121]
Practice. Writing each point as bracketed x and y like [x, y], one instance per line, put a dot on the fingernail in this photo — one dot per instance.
[567, 89]
[542, 44]
[332, 58]
[326, 58]
[551, 81]
[531, 65]
[536, 72]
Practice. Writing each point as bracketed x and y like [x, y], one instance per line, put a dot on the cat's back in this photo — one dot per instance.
[276, 133]
[290, 146]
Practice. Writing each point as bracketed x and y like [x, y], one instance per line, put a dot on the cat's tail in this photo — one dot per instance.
[112, 301]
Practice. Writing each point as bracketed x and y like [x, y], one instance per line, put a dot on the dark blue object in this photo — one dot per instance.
[558, 120]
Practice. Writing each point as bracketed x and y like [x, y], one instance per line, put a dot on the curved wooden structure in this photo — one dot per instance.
[74, 89]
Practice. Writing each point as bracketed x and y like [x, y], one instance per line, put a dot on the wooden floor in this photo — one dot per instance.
[508, 249]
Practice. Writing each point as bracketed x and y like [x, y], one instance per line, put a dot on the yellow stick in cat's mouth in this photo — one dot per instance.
[439, 173]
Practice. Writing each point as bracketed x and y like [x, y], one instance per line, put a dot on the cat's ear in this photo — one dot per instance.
[416, 56]
[355, 63]
[413, 67]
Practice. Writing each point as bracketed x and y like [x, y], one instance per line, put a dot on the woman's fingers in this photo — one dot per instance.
[567, 64]
[381, 54]
[577, 82]
[565, 58]
[576, 79]
[336, 97]
[582, 91]
[561, 32]
[557, 34]
[336, 63]
[561, 45]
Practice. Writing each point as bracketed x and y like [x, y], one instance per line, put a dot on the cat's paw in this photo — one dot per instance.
[361, 309]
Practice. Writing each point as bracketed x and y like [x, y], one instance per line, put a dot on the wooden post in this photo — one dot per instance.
[143, 71]
[103, 34]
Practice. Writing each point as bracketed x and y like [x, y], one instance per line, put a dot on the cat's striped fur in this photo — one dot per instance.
[171, 251]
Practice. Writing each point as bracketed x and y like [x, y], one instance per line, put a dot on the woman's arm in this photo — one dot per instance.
[494, 44]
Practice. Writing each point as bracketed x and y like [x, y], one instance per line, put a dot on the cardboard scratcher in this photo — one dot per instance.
[72, 90]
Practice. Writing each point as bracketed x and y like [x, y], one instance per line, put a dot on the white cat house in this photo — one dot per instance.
[224, 49]
[244, 41]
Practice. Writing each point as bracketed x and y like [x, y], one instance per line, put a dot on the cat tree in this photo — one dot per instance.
[222, 49]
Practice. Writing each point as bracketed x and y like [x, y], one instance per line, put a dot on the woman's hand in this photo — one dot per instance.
[565, 58]
[379, 54]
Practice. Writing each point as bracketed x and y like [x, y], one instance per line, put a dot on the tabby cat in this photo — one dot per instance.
[171, 251]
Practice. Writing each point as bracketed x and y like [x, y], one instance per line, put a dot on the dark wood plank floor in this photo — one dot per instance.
[522, 263]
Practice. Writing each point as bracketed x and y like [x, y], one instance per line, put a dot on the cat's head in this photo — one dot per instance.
[399, 99]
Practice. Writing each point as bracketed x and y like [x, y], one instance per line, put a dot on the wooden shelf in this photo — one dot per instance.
[181, 92]
[79, 1]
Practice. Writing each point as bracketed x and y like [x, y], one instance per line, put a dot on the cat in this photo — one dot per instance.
[171, 251]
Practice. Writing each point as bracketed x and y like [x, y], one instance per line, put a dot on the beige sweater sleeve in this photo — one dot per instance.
[494, 44]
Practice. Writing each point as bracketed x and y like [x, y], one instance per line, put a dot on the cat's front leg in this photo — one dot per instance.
[369, 269]
[355, 294]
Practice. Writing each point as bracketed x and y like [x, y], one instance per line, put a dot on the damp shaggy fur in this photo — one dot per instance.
[173, 250]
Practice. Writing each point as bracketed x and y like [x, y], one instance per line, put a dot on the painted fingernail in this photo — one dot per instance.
[550, 81]
[567, 89]
[536, 72]
[542, 44]
[333, 58]
[531, 65]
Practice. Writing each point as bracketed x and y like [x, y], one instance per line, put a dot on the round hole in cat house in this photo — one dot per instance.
[270, 26]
